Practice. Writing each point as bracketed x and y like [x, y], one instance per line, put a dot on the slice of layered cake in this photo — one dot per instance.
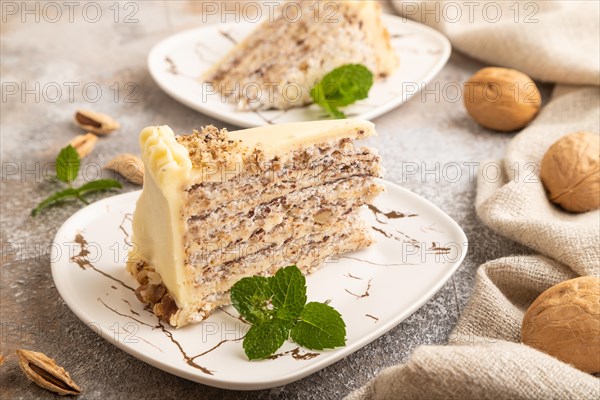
[277, 65]
[219, 206]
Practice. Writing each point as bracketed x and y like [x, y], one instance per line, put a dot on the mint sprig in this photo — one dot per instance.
[276, 306]
[341, 87]
[67, 169]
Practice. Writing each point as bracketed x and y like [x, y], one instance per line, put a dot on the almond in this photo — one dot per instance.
[84, 144]
[129, 167]
[44, 372]
[100, 124]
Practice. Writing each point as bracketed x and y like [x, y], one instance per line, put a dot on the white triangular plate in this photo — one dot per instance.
[177, 62]
[418, 248]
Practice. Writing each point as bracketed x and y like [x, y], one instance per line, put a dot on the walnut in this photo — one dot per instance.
[502, 99]
[570, 172]
[564, 322]
[167, 309]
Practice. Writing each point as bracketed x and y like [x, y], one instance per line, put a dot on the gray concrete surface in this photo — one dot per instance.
[430, 132]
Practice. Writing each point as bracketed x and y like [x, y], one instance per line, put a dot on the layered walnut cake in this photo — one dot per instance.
[219, 206]
[283, 58]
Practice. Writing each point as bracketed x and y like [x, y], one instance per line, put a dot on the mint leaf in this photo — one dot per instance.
[276, 308]
[289, 293]
[99, 185]
[265, 338]
[56, 197]
[320, 327]
[251, 298]
[67, 164]
[341, 87]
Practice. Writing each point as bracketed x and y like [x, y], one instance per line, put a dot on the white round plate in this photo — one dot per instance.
[177, 62]
[418, 248]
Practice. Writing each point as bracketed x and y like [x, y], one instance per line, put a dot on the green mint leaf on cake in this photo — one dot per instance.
[341, 87]
[276, 306]
[289, 293]
[67, 164]
[251, 297]
[320, 327]
[265, 338]
[67, 169]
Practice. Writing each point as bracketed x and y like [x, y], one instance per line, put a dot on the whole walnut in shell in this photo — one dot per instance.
[502, 99]
[570, 172]
[564, 322]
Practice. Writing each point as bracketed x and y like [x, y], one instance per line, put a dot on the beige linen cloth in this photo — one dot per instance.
[484, 359]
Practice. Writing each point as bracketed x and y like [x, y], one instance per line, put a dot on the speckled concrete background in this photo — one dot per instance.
[431, 133]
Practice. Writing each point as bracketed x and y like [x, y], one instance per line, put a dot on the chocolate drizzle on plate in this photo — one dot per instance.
[126, 217]
[296, 355]
[349, 275]
[365, 294]
[388, 235]
[439, 250]
[228, 36]
[81, 259]
[172, 69]
[372, 317]
[375, 263]
[389, 215]
[131, 310]
[238, 317]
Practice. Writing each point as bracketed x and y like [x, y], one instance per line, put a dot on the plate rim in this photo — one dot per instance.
[297, 374]
[160, 48]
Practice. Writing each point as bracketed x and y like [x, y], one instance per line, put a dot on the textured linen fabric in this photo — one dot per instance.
[484, 358]
[552, 41]
[516, 205]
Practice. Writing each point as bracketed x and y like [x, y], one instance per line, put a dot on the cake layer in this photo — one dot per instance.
[305, 169]
[304, 212]
[308, 253]
[226, 225]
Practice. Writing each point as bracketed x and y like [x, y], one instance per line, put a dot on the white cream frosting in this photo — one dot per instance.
[158, 228]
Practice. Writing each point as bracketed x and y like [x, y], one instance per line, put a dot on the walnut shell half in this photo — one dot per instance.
[564, 322]
[570, 172]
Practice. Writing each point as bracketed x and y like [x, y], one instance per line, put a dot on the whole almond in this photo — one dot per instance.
[98, 123]
[84, 144]
[129, 167]
[44, 372]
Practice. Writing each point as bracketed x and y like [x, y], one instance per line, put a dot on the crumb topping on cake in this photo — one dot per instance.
[211, 145]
